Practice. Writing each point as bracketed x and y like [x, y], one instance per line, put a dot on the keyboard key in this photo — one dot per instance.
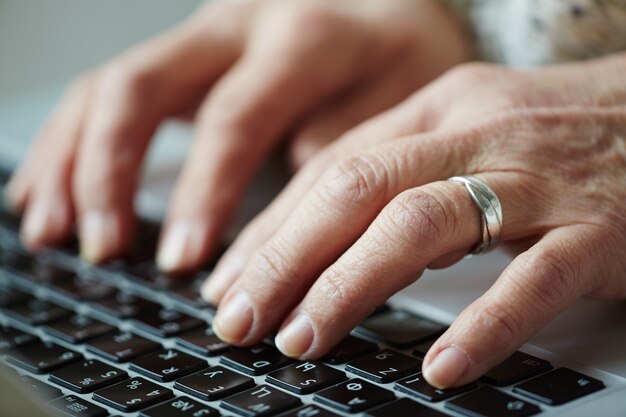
[85, 288]
[404, 408]
[188, 292]
[77, 329]
[41, 389]
[133, 394]
[124, 305]
[14, 260]
[48, 274]
[166, 323]
[12, 338]
[559, 386]
[42, 357]
[214, 383]
[180, 407]
[10, 297]
[489, 402]
[203, 341]
[517, 367]
[348, 349]
[400, 328]
[384, 366]
[422, 349]
[309, 411]
[167, 365]
[121, 346]
[262, 400]
[256, 360]
[87, 376]
[73, 406]
[354, 395]
[417, 386]
[305, 377]
[37, 312]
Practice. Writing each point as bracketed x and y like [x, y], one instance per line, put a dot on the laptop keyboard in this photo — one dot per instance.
[123, 340]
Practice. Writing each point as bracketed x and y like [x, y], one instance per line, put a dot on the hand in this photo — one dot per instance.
[368, 214]
[251, 72]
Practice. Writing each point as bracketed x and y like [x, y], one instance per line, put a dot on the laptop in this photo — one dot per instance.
[122, 340]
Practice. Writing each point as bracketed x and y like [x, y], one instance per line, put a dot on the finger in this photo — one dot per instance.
[327, 221]
[419, 225]
[277, 80]
[532, 291]
[132, 96]
[407, 118]
[43, 182]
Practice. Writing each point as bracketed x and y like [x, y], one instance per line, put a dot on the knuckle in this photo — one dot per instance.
[333, 287]
[270, 263]
[357, 181]
[133, 82]
[319, 24]
[496, 318]
[421, 215]
[549, 274]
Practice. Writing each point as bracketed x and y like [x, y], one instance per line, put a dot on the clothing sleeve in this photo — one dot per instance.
[527, 33]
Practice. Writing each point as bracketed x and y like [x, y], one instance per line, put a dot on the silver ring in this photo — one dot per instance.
[490, 211]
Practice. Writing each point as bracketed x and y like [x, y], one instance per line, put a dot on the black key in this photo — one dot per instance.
[133, 394]
[124, 305]
[149, 275]
[309, 411]
[559, 386]
[85, 288]
[256, 360]
[166, 323]
[489, 402]
[188, 292]
[404, 408]
[15, 260]
[214, 383]
[49, 274]
[37, 312]
[167, 365]
[354, 395]
[422, 349]
[400, 328]
[10, 297]
[40, 389]
[180, 407]
[261, 400]
[416, 385]
[12, 338]
[517, 367]
[42, 357]
[384, 366]
[305, 377]
[122, 346]
[348, 349]
[87, 376]
[77, 329]
[203, 341]
[73, 406]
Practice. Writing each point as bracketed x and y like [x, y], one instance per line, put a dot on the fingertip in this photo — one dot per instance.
[296, 337]
[46, 222]
[183, 246]
[100, 235]
[234, 318]
[447, 368]
[226, 272]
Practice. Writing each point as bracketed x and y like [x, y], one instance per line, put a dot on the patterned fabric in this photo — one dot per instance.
[526, 33]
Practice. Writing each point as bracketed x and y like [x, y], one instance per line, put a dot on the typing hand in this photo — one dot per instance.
[250, 73]
[369, 213]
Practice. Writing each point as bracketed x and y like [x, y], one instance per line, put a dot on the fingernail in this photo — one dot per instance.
[180, 242]
[234, 319]
[447, 368]
[296, 337]
[225, 272]
[98, 234]
[37, 221]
